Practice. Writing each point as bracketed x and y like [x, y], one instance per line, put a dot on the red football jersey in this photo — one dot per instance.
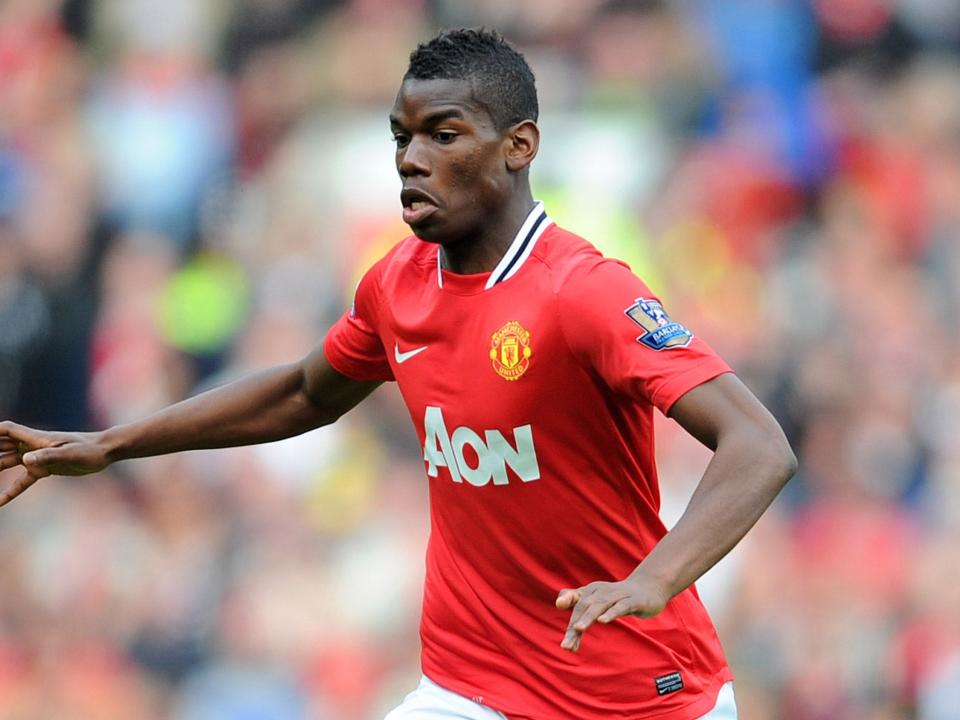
[532, 390]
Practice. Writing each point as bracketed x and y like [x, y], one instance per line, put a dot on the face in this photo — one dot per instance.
[451, 159]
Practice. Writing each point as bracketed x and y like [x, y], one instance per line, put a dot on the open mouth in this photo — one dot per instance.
[417, 206]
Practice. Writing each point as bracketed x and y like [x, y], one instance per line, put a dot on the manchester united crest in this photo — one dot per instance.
[510, 351]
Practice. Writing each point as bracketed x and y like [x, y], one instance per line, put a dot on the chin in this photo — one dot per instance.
[430, 233]
[421, 232]
[444, 231]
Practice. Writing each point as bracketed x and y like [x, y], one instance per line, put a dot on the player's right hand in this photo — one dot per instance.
[38, 453]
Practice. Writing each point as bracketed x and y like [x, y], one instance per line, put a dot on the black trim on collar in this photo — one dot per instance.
[523, 246]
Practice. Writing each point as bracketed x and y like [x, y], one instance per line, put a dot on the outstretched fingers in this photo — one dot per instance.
[33, 454]
[21, 482]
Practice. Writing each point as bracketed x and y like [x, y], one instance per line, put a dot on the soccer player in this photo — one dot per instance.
[531, 366]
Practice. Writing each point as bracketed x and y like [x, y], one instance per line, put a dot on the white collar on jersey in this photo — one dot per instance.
[518, 252]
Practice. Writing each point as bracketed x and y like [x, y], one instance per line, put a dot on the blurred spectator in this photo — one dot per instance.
[24, 317]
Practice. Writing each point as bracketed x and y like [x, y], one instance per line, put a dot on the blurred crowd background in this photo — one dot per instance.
[189, 190]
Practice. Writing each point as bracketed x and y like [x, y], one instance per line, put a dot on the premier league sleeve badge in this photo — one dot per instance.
[660, 332]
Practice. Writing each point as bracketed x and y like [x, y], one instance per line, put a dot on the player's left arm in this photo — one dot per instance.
[752, 461]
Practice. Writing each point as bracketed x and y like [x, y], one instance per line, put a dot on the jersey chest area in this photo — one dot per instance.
[480, 375]
[487, 359]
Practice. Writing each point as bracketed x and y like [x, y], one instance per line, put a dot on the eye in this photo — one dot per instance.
[401, 140]
[445, 137]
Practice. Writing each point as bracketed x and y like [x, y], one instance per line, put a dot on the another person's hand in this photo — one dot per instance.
[605, 602]
[39, 453]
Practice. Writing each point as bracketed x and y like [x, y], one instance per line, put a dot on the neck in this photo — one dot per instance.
[482, 251]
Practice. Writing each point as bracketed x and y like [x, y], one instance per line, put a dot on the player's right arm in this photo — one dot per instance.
[269, 405]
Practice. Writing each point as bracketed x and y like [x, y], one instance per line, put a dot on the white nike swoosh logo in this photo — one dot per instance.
[402, 357]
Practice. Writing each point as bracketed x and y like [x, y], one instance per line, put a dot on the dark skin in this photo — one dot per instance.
[451, 155]
[466, 188]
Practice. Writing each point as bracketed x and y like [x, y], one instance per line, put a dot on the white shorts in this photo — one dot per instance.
[432, 702]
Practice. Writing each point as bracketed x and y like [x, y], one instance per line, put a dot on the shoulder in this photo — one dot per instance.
[577, 266]
[412, 250]
[409, 257]
[404, 266]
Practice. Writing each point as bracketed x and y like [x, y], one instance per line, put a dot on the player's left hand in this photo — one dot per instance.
[605, 602]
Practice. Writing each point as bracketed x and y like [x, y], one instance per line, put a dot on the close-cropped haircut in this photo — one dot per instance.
[502, 82]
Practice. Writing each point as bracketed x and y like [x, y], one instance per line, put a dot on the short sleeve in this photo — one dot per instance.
[618, 329]
[353, 346]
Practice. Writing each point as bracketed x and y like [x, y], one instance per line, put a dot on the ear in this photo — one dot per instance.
[521, 142]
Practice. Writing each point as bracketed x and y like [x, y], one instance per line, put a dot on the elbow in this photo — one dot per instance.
[771, 458]
[781, 458]
[790, 462]
[326, 417]
[318, 414]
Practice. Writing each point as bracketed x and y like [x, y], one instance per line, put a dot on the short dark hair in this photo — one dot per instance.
[503, 82]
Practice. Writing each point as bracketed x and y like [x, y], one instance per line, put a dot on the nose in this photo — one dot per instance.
[413, 159]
